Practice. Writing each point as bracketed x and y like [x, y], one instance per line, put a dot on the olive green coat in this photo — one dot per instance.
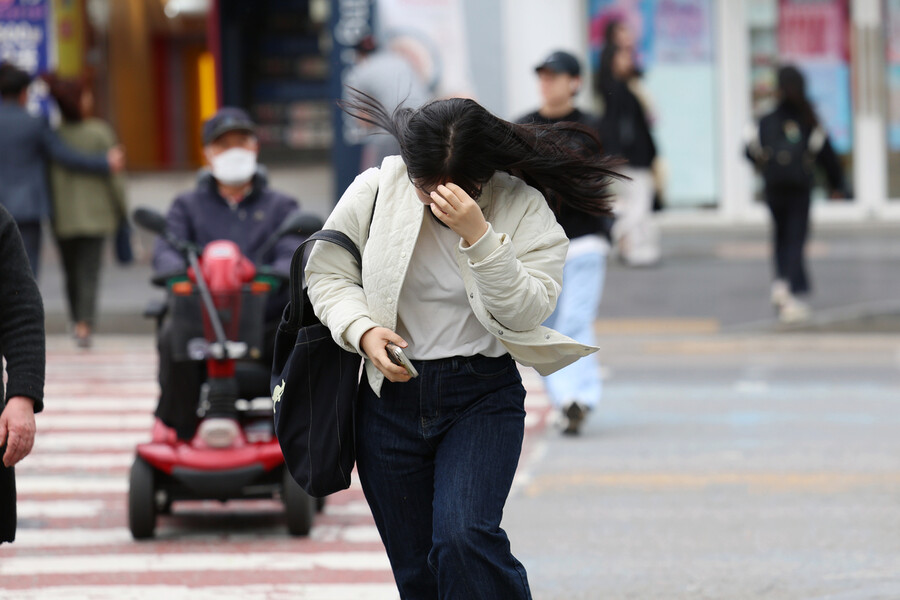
[85, 204]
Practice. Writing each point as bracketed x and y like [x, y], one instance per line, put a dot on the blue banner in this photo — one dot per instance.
[24, 34]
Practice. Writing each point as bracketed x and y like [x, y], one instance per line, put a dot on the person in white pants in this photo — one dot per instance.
[625, 133]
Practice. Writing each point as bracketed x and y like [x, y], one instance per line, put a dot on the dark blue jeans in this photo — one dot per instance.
[436, 457]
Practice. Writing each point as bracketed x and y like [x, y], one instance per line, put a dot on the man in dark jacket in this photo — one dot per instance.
[232, 201]
[26, 145]
[22, 345]
[575, 390]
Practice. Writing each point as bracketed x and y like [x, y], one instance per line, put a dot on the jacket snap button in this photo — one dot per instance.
[499, 332]
[403, 255]
[472, 295]
[547, 337]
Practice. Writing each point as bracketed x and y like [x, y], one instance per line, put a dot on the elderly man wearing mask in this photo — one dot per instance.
[232, 201]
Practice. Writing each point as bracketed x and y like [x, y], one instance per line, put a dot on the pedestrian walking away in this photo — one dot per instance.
[462, 264]
[26, 144]
[576, 390]
[625, 131]
[87, 208]
[786, 147]
[22, 346]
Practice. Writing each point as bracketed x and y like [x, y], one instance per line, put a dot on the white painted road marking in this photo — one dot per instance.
[194, 561]
[293, 591]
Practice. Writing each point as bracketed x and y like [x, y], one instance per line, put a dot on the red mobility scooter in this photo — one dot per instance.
[218, 309]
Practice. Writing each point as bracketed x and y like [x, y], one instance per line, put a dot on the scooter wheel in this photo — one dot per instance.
[141, 500]
[299, 506]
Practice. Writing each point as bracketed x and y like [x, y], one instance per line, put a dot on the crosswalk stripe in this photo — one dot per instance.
[349, 509]
[318, 591]
[59, 509]
[78, 537]
[95, 403]
[50, 422]
[59, 442]
[115, 385]
[194, 561]
[38, 462]
[60, 484]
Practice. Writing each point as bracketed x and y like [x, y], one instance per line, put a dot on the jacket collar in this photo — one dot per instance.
[207, 183]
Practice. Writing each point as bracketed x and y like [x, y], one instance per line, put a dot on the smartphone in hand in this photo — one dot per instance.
[395, 353]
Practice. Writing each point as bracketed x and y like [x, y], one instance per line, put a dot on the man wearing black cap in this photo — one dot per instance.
[575, 390]
[232, 201]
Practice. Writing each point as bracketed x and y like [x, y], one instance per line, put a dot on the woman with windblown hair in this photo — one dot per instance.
[462, 262]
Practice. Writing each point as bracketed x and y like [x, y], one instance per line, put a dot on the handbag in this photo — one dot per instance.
[314, 387]
[124, 252]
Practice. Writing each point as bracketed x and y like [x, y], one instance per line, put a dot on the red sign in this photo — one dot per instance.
[813, 29]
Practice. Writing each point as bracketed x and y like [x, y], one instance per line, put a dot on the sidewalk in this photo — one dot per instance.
[711, 279]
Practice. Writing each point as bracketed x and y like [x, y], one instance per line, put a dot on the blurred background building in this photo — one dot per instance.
[159, 67]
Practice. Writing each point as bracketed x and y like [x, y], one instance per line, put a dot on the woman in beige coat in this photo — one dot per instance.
[462, 262]
[87, 208]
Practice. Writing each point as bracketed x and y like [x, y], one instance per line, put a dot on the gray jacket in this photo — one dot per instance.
[27, 144]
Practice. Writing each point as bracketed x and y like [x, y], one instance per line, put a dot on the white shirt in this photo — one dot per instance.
[433, 312]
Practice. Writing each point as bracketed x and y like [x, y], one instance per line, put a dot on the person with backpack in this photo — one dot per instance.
[786, 147]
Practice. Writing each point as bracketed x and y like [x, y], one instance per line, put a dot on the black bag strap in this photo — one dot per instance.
[294, 313]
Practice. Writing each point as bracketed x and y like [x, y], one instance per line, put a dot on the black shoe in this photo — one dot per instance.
[575, 414]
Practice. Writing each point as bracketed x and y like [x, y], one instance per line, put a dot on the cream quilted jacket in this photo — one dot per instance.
[512, 275]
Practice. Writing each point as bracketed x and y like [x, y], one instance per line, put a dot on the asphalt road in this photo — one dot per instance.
[723, 467]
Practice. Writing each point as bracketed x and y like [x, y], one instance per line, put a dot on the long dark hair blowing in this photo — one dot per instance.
[458, 140]
[792, 89]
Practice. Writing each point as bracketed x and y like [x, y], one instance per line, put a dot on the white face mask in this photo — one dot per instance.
[234, 166]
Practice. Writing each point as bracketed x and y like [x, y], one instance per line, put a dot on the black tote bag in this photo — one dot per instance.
[314, 386]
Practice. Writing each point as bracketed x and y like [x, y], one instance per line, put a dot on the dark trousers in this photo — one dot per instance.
[7, 499]
[790, 229]
[31, 237]
[82, 258]
[436, 458]
[180, 381]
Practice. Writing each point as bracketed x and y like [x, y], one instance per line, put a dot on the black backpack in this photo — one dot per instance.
[787, 156]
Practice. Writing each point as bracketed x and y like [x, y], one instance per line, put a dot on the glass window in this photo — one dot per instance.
[892, 35]
[814, 36]
[675, 49]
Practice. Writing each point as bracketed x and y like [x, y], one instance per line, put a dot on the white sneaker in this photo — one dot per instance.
[781, 293]
[793, 311]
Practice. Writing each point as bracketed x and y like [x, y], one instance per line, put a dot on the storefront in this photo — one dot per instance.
[850, 60]
[710, 67]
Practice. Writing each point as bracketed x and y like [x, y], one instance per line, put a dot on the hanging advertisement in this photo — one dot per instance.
[68, 23]
[674, 47]
[24, 35]
[814, 35]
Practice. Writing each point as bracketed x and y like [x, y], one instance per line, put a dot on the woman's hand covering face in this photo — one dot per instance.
[458, 211]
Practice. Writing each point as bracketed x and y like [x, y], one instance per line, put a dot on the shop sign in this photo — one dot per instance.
[24, 39]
